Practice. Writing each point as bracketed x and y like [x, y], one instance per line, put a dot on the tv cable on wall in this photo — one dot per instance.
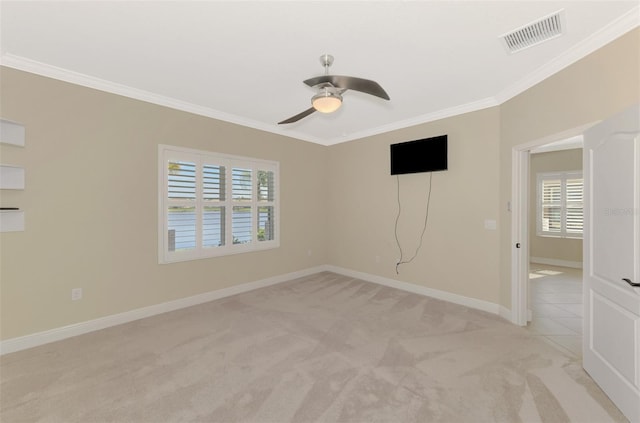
[420, 156]
[401, 260]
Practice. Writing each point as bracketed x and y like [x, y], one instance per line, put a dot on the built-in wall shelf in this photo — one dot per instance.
[11, 177]
[11, 133]
[11, 220]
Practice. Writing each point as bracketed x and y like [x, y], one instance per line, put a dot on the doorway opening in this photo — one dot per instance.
[556, 306]
[546, 267]
[555, 244]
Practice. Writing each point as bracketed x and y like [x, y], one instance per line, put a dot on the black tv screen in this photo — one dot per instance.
[425, 155]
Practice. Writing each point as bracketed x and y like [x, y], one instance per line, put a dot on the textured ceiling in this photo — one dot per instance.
[244, 62]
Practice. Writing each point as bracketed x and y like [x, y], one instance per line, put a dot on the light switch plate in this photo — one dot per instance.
[490, 224]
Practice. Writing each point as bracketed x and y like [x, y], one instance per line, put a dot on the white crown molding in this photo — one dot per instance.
[43, 69]
[620, 26]
[418, 120]
[76, 78]
[615, 29]
[58, 334]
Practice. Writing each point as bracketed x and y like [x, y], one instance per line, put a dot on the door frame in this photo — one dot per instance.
[519, 205]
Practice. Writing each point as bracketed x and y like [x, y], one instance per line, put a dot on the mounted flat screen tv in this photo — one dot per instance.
[425, 155]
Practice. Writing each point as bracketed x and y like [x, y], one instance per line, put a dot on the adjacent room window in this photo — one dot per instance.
[560, 208]
[214, 204]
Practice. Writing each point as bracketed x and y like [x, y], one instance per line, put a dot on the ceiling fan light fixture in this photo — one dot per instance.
[330, 89]
[326, 101]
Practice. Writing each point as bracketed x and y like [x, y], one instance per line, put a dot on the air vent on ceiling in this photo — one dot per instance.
[545, 29]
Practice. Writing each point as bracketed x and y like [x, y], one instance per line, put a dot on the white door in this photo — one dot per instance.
[611, 340]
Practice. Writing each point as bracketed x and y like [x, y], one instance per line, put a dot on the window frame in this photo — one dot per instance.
[168, 153]
[563, 203]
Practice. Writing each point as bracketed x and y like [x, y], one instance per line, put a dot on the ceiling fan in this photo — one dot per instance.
[330, 89]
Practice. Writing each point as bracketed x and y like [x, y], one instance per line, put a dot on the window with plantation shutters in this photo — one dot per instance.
[560, 208]
[215, 204]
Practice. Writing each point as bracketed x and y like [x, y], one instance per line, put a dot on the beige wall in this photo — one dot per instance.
[598, 86]
[91, 205]
[91, 195]
[458, 255]
[565, 249]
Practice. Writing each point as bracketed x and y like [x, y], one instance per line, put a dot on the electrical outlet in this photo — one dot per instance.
[76, 294]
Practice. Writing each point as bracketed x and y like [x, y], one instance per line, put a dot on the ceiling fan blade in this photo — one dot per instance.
[298, 116]
[350, 83]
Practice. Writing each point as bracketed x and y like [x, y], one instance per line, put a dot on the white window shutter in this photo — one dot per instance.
[560, 204]
[214, 204]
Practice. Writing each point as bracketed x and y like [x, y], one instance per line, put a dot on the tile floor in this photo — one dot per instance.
[556, 304]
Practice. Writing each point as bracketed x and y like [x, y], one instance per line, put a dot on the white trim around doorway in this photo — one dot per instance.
[520, 219]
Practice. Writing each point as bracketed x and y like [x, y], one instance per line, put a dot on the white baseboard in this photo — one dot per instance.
[57, 334]
[423, 290]
[556, 262]
[505, 313]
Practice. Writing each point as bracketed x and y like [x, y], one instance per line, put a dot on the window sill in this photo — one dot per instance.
[544, 235]
[182, 256]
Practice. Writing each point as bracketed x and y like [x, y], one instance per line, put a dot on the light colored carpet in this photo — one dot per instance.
[324, 348]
